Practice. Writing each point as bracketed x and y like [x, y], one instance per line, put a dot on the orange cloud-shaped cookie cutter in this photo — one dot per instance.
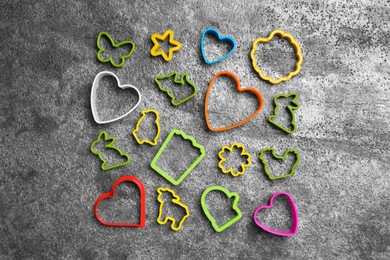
[298, 54]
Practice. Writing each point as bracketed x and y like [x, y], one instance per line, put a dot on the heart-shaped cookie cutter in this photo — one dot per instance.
[294, 227]
[111, 194]
[239, 90]
[220, 38]
[95, 85]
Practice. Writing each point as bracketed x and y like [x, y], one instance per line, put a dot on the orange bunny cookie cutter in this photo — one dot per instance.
[298, 54]
[136, 130]
[239, 90]
[175, 200]
[242, 165]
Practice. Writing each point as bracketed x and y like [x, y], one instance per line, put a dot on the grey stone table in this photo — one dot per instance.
[50, 180]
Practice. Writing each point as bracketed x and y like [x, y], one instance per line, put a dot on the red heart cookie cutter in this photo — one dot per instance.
[239, 90]
[110, 195]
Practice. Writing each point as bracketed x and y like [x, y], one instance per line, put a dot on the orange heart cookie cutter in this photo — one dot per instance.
[239, 90]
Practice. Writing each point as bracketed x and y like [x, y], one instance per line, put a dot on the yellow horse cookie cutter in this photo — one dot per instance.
[144, 113]
[175, 200]
[298, 54]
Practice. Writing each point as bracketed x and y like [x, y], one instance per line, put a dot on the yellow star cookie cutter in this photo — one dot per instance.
[175, 200]
[242, 165]
[155, 51]
[298, 54]
[144, 113]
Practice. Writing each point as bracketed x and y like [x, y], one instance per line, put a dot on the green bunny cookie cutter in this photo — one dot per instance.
[160, 171]
[183, 79]
[234, 207]
[108, 146]
[274, 155]
[109, 59]
[295, 105]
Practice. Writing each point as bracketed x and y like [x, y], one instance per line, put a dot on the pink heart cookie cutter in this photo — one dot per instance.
[93, 97]
[285, 233]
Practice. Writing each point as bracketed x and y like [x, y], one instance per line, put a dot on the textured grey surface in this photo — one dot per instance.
[50, 180]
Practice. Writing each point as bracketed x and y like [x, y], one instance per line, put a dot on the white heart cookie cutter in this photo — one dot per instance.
[93, 97]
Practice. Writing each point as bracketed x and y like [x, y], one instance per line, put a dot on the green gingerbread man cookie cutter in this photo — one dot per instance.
[274, 155]
[109, 59]
[214, 224]
[108, 146]
[177, 80]
[290, 108]
[160, 171]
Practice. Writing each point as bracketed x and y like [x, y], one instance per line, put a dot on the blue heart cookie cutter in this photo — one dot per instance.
[220, 39]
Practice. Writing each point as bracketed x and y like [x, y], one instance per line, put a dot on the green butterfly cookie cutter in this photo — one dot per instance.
[231, 221]
[183, 79]
[160, 171]
[108, 146]
[290, 108]
[274, 155]
[109, 59]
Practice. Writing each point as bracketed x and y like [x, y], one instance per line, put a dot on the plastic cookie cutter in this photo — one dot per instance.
[95, 85]
[111, 194]
[103, 136]
[274, 155]
[160, 171]
[239, 90]
[176, 221]
[220, 38]
[286, 233]
[242, 165]
[182, 80]
[155, 51]
[144, 113]
[294, 105]
[236, 198]
[298, 54]
[121, 44]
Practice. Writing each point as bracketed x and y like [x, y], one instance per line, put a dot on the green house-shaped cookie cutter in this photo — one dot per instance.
[160, 171]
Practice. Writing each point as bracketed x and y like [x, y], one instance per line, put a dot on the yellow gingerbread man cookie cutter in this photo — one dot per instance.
[175, 200]
[298, 54]
[144, 113]
[242, 165]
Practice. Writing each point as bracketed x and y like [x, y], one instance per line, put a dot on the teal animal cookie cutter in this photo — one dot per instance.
[294, 105]
[109, 59]
[183, 79]
[160, 171]
[237, 217]
[265, 163]
[108, 146]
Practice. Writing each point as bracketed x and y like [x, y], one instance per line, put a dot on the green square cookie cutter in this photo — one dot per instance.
[160, 171]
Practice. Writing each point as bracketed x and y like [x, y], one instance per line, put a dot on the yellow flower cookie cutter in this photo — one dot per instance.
[298, 54]
[242, 165]
[175, 200]
[143, 141]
